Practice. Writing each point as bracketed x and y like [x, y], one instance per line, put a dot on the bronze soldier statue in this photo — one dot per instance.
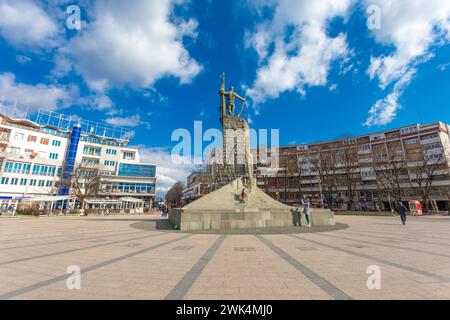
[230, 97]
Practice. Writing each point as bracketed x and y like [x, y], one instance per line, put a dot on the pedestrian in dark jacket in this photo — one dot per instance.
[297, 215]
[402, 211]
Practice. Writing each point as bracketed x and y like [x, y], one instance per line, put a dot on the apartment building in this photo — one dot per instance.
[366, 172]
[198, 185]
[39, 159]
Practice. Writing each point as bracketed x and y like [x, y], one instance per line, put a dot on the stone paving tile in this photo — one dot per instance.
[35, 254]
[150, 275]
[249, 274]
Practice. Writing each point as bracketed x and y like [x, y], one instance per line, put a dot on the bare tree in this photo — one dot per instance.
[174, 195]
[389, 172]
[325, 165]
[300, 178]
[350, 165]
[424, 172]
[85, 181]
[447, 192]
[315, 163]
[290, 166]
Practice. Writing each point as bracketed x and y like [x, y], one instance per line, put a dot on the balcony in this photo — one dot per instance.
[4, 137]
[366, 160]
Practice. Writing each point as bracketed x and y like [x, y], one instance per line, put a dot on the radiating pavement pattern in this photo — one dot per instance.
[118, 261]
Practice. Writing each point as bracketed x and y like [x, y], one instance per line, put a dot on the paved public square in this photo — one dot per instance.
[118, 261]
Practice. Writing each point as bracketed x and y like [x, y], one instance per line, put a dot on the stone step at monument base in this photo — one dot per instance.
[222, 210]
[248, 218]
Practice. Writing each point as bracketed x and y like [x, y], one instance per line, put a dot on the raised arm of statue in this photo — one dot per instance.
[240, 98]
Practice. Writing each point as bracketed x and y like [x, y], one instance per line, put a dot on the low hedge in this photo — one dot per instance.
[27, 212]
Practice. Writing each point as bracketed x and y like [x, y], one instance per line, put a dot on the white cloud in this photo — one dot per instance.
[99, 102]
[33, 97]
[103, 102]
[443, 66]
[24, 24]
[385, 110]
[22, 59]
[411, 28]
[131, 121]
[132, 45]
[302, 59]
[168, 172]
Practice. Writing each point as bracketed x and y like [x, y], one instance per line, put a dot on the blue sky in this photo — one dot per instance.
[312, 69]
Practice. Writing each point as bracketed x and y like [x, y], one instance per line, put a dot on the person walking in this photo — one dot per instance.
[402, 211]
[297, 215]
[307, 211]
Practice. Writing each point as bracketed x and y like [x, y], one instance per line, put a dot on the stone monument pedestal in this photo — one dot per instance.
[222, 210]
[237, 205]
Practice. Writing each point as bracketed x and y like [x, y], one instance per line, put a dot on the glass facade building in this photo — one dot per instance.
[128, 187]
[38, 159]
[136, 170]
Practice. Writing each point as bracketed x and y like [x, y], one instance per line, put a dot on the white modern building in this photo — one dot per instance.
[35, 156]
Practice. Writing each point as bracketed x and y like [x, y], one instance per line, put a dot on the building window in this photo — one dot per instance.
[5, 180]
[33, 182]
[123, 187]
[368, 173]
[42, 170]
[26, 168]
[90, 161]
[32, 139]
[110, 163]
[53, 156]
[377, 138]
[19, 136]
[14, 181]
[45, 141]
[349, 141]
[9, 167]
[23, 182]
[111, 152]
[136, 170]
[56, 143]
[41, 183]
[365, 147]
[430, 146]
[91, 151]
[429, 137]
[128, 155]
[378, 147]
[49, 183]
[381, 156]
[15, 150]
[409, 130]
[412, 141]
[17, 167]
[106, 173]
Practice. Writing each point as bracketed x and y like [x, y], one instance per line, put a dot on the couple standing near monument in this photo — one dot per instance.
[297, 213]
